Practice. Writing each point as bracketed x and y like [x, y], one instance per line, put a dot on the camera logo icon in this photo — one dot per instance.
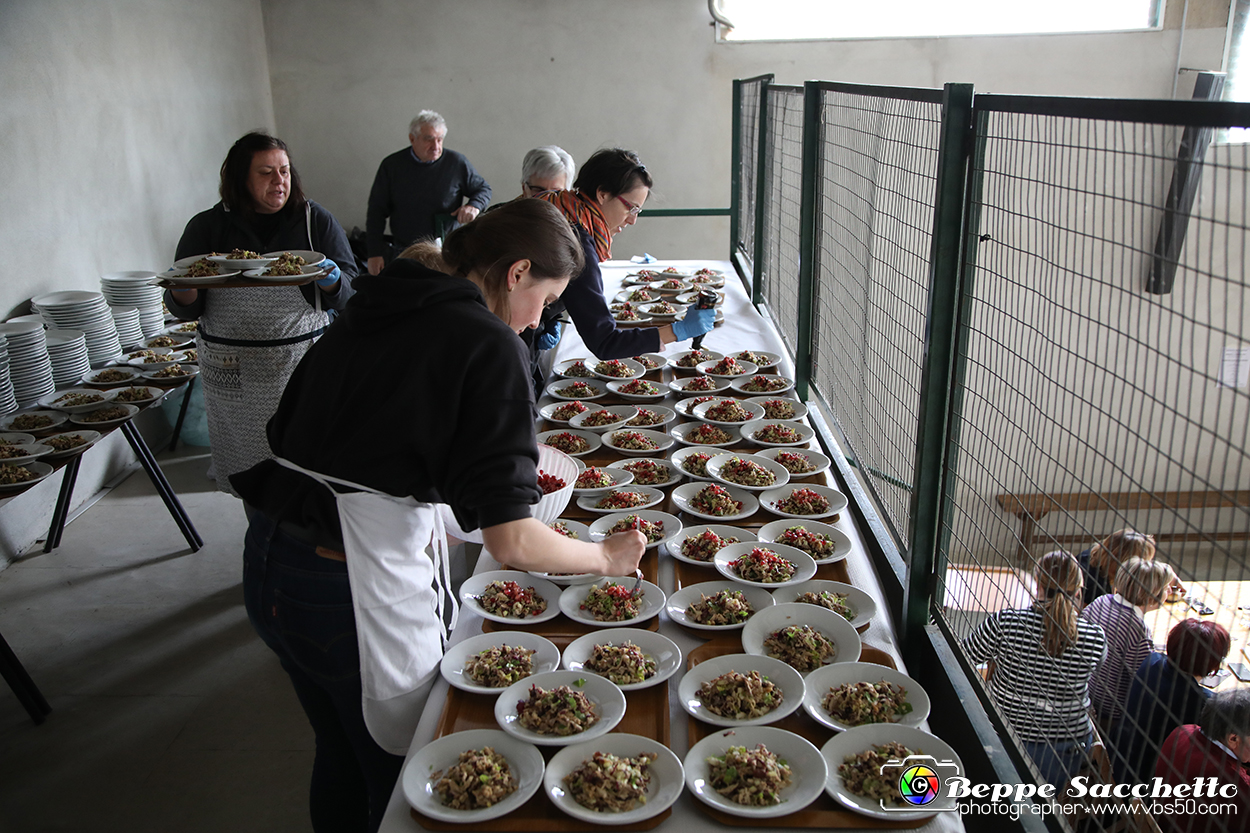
[919, 785]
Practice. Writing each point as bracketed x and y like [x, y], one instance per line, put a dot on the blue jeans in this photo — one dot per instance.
[301, 606]
[1057, 760]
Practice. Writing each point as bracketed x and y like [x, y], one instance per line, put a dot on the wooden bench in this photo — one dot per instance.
[1031, 508]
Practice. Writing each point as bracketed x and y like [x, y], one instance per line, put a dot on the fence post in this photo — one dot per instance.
[735, 169]
[813, 135]
[941, 319]
[763, 186]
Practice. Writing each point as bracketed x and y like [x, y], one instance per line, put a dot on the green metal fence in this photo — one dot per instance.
[777, 220]
[743, 200]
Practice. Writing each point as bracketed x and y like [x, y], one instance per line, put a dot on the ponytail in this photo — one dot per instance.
[1059, 581]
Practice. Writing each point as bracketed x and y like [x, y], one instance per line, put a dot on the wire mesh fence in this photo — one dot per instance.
[876, 183]
[747, 127]
[777, 258]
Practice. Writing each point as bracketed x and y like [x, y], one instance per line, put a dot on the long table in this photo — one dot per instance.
[742, 328]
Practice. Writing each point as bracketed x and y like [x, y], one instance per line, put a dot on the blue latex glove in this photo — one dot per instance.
[696, 323]
[550, 337]
[332, 276]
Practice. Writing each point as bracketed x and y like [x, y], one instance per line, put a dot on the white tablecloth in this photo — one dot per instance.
[743, 328]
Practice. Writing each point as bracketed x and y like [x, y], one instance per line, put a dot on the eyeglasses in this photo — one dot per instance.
[534, 189]
[633, 209]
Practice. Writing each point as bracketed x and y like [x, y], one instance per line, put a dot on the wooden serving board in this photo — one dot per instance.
[824, 811]
[646, 714]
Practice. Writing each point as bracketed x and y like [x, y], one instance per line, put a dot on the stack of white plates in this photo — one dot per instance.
[8, 401]
[38, 319]
[129, 329]
[86, 311]
[138, 290]
[67, 350]
[30, 371]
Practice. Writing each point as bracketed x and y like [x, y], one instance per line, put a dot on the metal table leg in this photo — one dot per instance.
[28, 694]
[61, 512]
[182, 414]
[162, 485]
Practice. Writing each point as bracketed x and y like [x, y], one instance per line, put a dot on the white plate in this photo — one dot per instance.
[808, 772]
[154, 375]
[804, 565]
[598, 390]
[524, 761]
[624, 413]
[679, 456]
[819, 460]
[259, 274]
[624, 296]
[604, 695]
[635, 370]
[830, 625]
[241, 264]
[106, 396]
[641, 319]
[781, 675]
[831, 676]
[770, 498]
[654, 498]
[800, 410]
[675, 359]
[661, 286]
[81, 418]
[615, 387]
[178, 342]
[91, 437]
[146, 363]
[593, 441]
[652, 602]
[681, 386]
[667, 778]
[58, 418]
[740, 385]
[561, 369]
[716, 466]
[662, 441]
[771, 359]
[661, 649]
[40, 470]
[655, 310]
[546, 657]
[30, 452]
[181, 278]
[804, 432]
[692, 593]
[620, 477]
[672, 526]
[666, 416]
[863, 605]
[686, 432]
[153, 394]
[658, 359]
[311, 258]
[583, 531]
[699, 412]
[548, 411]
[15, 437]
[693, 298]
[854, 741]
[474, 585]
[131, 375]
[685, 493]
[674, 475]
[675, 544]
[841, 541]
[707, 369]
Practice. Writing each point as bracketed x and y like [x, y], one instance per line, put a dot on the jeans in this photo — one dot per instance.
[1057, 760]
[301, 606]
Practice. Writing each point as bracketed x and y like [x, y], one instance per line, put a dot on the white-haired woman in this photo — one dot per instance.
[548, 168]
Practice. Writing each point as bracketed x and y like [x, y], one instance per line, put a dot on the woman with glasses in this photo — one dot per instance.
[548, 168]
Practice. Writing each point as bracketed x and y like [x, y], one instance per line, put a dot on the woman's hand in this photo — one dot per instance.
[624, 550]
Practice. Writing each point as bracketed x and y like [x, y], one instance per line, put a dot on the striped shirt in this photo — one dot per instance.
[1045, 698]
[1128, 645]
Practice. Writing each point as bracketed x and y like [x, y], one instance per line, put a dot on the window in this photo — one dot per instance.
[757, 20]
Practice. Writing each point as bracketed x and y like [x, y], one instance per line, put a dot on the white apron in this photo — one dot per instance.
[397, 566]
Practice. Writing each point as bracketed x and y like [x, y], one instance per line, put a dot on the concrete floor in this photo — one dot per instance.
[168, 711]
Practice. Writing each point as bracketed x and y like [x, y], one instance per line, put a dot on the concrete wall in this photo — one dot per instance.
[648, 75]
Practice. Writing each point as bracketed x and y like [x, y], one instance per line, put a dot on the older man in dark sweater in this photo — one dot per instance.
[415, 185]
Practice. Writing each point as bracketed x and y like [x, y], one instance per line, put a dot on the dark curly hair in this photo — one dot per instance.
[238, 164]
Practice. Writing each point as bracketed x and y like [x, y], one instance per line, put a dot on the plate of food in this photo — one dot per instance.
[747, 471]
[779, 407]
[241, 260]
[199, 274]
[658, 527]
[571, 389]
[762, 360]
[594, 480]
[824, 543]
[698, 385]
[692, 460]
[32, 421]
[800, 462]
[705, 434]
[139, 394]
[630, 314]
[664, 309]
[690, 359]
[280, 272]
[693, 298]
[573, 369]
[651, 361]
[70, 443]
[636, 295]
[611, 602]
[637, 442]
[849, 601]
[726, 368]
[649, 471]
[849, 694]
[576, 530]
[151, 359]
[632, 658]
[16, 438]
[777, 433]
[627, 498]
[764, 565]
[670, 286]
[727, 411]
[472, 776]
[716, 605]
[172, 373]
[168, 341]
[19, 454]
[714, 502]
[511, 597]
[539, 710]
[572, 443]
[110, 376]
[639, 390]
[858, 758]
[77, 400]
[699, 544]
[563, 410]
[734, 690]
[654, 418]
[105, 417]
[490, 662]
[791, 772]
[805, 638]
[809, 501]
[612, 369]
[763, 383]
[618, 779]
[602, 420]
[294, 256]
[18, 477]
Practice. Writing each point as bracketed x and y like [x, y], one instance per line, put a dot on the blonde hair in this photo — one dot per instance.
[1117, 548]
[1140, 581]
[1059, 583]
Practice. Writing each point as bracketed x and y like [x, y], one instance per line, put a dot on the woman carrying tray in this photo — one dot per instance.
[417, 396]
[250, 339]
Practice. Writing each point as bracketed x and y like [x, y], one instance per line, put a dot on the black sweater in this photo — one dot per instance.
[417, 389]
[410, 192]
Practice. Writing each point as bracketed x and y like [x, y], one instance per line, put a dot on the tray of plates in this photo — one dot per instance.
[238, 281]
